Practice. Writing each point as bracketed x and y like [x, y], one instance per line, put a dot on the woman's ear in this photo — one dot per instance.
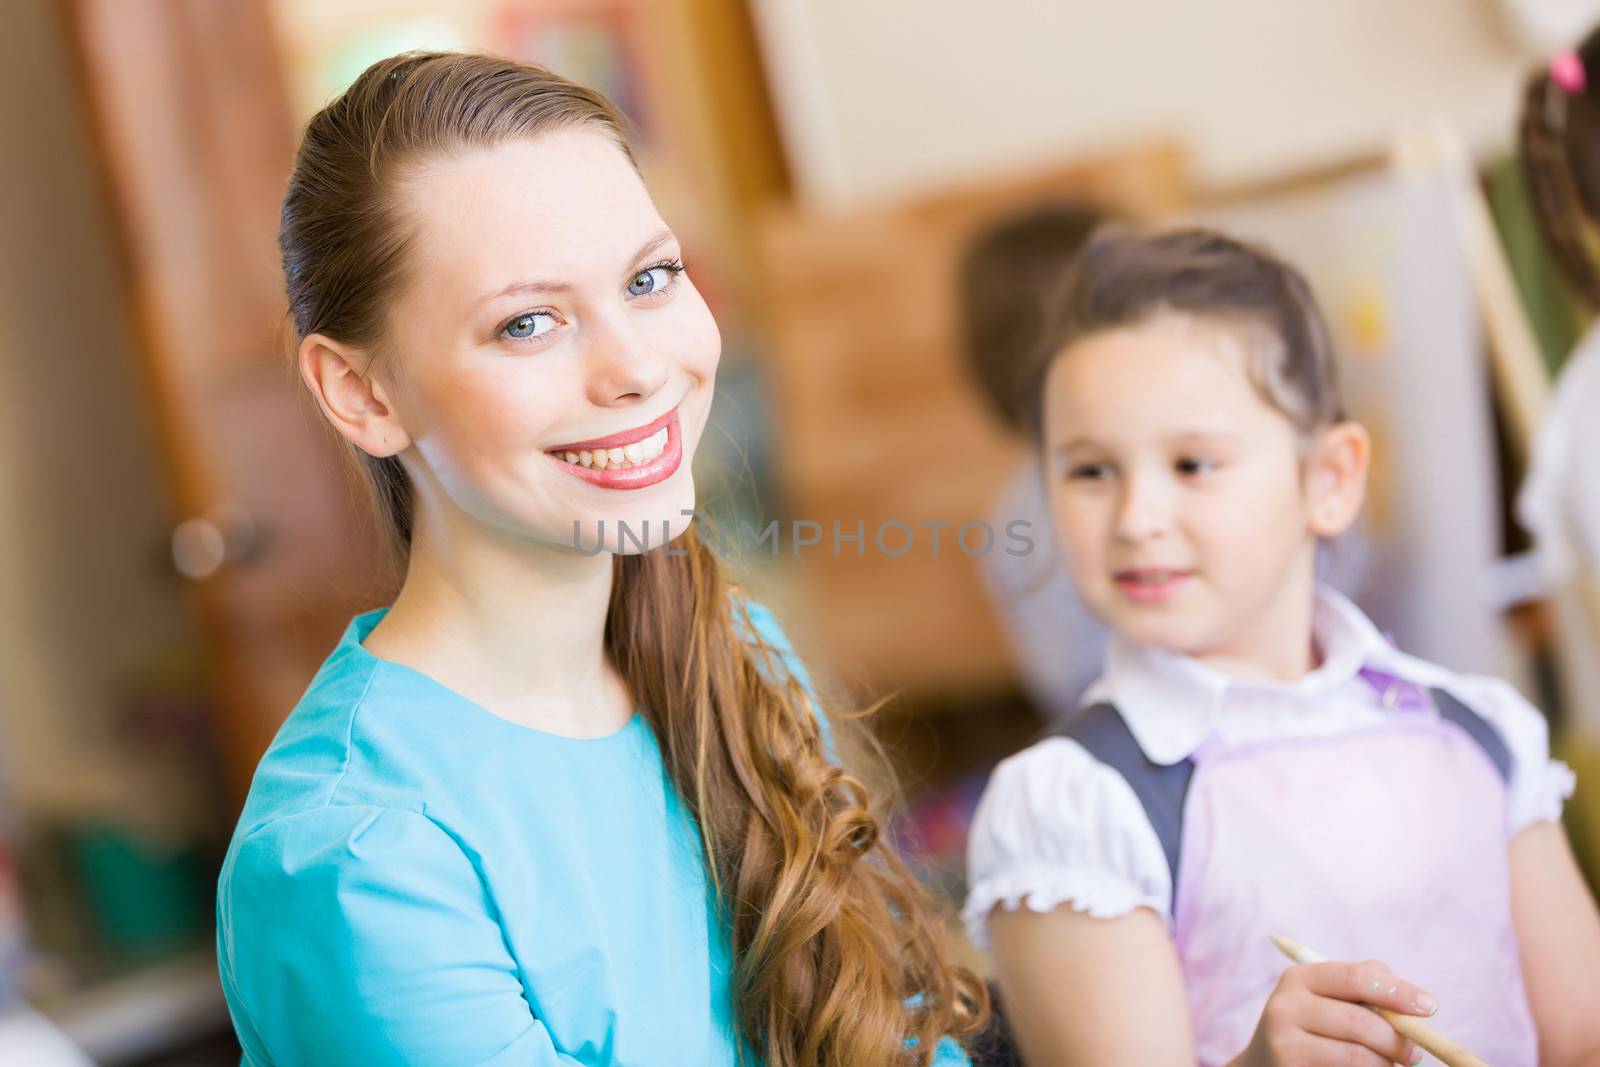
[1336, 478]
[353, 400]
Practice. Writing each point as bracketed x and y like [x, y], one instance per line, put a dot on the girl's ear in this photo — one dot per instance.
[353, 400]
[1336, 478]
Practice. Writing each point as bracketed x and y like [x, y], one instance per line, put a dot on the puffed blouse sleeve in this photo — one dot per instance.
[1056, 826]
[1538, 785]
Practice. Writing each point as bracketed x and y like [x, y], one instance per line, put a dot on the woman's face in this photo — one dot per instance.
[548, 358]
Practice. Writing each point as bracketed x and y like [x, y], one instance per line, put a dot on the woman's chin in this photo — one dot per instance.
[646, 526]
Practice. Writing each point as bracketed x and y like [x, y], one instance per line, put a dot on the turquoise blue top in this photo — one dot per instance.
[415, 880]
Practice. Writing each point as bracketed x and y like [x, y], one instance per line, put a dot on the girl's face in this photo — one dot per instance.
[548, 359]
[1180, 495]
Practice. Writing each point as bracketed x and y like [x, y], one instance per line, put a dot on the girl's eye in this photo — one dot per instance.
[529, 324]
[1089, 472]
[1191, 465]
[654, 279]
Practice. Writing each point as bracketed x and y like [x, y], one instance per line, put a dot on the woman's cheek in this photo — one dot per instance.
[701, 345]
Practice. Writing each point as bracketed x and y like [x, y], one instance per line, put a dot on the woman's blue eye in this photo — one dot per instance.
[1089, 472]
[1191, 465]
[652, 280]
[529, 324]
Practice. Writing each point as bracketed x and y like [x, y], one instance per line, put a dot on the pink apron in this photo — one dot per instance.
[1387, 843]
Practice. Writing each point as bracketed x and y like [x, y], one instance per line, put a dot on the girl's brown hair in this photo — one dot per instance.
[838, 961]
[1559, 141]
[1124, 278]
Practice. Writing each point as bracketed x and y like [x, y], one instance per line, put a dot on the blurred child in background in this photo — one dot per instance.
[1559, 142]
[1007, 277]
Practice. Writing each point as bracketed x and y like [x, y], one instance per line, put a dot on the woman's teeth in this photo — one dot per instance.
[636, 454]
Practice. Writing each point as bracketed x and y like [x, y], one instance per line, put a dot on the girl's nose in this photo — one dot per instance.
[1143, 511]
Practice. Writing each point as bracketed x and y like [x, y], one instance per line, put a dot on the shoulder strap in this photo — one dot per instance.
[1161, 790]
[1478, 728]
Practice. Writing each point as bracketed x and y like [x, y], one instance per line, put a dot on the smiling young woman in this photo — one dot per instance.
[551, 806]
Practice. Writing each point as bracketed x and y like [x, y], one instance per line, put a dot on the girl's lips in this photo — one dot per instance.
[656, 470]
[1151, 586]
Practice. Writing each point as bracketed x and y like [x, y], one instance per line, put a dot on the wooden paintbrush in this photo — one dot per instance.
[1426, 1037]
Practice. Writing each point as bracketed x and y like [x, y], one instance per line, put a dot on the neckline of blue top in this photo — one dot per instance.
[363, 624]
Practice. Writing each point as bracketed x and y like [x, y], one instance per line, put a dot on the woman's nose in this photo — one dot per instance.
[623, 366]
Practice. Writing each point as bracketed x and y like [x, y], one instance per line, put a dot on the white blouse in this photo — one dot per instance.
[1057, 826]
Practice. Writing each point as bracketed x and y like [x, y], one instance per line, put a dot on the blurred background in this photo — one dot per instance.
[180, 548]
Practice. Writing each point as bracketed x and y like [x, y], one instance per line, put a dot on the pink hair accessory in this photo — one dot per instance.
[1566, 70]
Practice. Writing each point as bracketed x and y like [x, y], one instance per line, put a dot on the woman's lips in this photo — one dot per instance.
[1152, 585]
[638, 476]
[618, 440]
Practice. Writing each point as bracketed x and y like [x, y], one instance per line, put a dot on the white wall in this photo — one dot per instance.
[883, 97]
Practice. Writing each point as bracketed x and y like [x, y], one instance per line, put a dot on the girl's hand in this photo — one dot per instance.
[1315, 1018]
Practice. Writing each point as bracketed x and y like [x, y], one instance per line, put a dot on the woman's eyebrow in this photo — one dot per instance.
[551, 286]
[662, 238]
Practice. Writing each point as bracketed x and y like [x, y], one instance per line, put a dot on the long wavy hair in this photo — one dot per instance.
[838, 958]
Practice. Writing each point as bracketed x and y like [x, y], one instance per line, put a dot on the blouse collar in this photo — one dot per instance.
[1171, 702]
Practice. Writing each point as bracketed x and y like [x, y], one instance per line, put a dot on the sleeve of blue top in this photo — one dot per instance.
[364, 935]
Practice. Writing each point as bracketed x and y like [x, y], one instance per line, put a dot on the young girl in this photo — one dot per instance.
[1257, 758]
[553, 806]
